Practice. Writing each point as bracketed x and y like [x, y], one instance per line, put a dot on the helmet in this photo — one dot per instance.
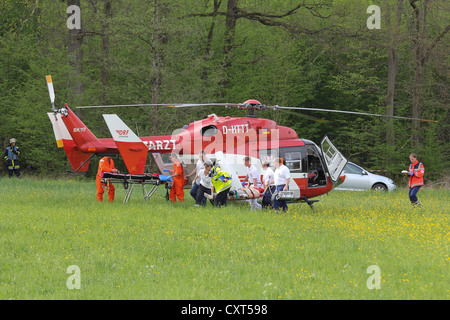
[12, 141]
[214, 171]
[208, 163]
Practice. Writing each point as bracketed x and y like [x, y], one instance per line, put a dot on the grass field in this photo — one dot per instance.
[160, 250]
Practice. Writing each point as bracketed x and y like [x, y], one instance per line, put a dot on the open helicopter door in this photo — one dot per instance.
[334, 160]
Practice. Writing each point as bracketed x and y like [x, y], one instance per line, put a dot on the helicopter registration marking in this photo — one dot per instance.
[238, 128]
[160, 144]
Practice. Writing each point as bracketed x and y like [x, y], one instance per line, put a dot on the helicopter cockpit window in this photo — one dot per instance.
[209, 131]
[293, 160]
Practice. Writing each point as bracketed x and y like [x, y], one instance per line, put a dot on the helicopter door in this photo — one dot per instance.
[334, 160]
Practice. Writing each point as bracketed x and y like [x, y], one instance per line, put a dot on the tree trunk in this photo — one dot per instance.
[209, 42]
[422, 53]
[105, 50]
[230, 33]
[75, 55]
[419, 38]
[159, 37]
[393, 40]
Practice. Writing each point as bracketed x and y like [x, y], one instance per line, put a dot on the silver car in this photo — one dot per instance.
[358, 179]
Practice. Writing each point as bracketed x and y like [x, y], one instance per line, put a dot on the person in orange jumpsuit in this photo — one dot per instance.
[106, 164]
[178, 180]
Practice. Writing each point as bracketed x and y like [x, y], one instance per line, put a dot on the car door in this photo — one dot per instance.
[334, 160]
[356, 178]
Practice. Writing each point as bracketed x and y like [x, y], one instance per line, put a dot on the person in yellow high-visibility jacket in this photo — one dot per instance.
[221, 181]
[11, 156]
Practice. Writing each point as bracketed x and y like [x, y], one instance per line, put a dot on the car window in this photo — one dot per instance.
[350, 168]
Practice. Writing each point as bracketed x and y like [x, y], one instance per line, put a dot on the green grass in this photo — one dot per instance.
[160, 250]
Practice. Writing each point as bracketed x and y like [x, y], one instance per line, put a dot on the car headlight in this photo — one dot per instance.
[390, 181]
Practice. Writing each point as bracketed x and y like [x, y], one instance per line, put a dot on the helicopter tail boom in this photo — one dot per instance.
[78, 160]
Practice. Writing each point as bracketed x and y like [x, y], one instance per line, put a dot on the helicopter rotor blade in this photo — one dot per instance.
[127, 105]
[170, 105]
[302, 115]
[351, 112]
[188, 105]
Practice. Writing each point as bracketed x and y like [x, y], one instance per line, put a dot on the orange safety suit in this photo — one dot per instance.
[105, 165]
[418, 170]
[178, 183]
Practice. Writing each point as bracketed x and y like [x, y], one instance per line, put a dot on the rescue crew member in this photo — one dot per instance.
[254, 179]
[205, 183]
[201, 160]
[282, 177]
[269, 187]
[221, 183]
[416, 173]
[176, 192]
[106, 164]
[12, 153]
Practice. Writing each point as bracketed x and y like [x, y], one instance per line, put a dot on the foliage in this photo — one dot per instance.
[320, 55]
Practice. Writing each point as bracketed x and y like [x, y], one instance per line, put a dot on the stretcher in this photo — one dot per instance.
[130, 180]
[252, 192]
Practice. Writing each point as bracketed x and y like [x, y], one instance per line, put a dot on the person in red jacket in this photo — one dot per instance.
[178, 180]
[416, 173]
[106, 164]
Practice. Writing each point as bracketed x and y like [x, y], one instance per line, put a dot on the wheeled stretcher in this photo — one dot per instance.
[130, 180]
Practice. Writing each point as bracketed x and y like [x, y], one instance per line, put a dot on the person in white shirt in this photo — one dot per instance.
[254, 178]
[268, 186]
[199, 166]
[205, 183]
[282, 177]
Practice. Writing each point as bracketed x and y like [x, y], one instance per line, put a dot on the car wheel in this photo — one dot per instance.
[379, 187]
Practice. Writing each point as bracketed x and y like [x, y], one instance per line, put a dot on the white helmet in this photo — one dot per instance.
[12, 141]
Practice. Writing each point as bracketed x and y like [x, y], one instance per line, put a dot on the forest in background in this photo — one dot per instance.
[310, 53]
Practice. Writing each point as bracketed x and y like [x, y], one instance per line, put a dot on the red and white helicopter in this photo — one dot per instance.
[314, 171]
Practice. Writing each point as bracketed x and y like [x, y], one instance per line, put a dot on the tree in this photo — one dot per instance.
[422, 52]
[393, 34]
[75, 54]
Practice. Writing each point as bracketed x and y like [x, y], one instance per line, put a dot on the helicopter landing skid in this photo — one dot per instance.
[309, 202]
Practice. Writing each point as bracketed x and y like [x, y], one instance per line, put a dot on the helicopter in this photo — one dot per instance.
[315, 170]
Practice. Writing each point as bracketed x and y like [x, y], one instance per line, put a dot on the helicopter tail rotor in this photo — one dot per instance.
[51, 91]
